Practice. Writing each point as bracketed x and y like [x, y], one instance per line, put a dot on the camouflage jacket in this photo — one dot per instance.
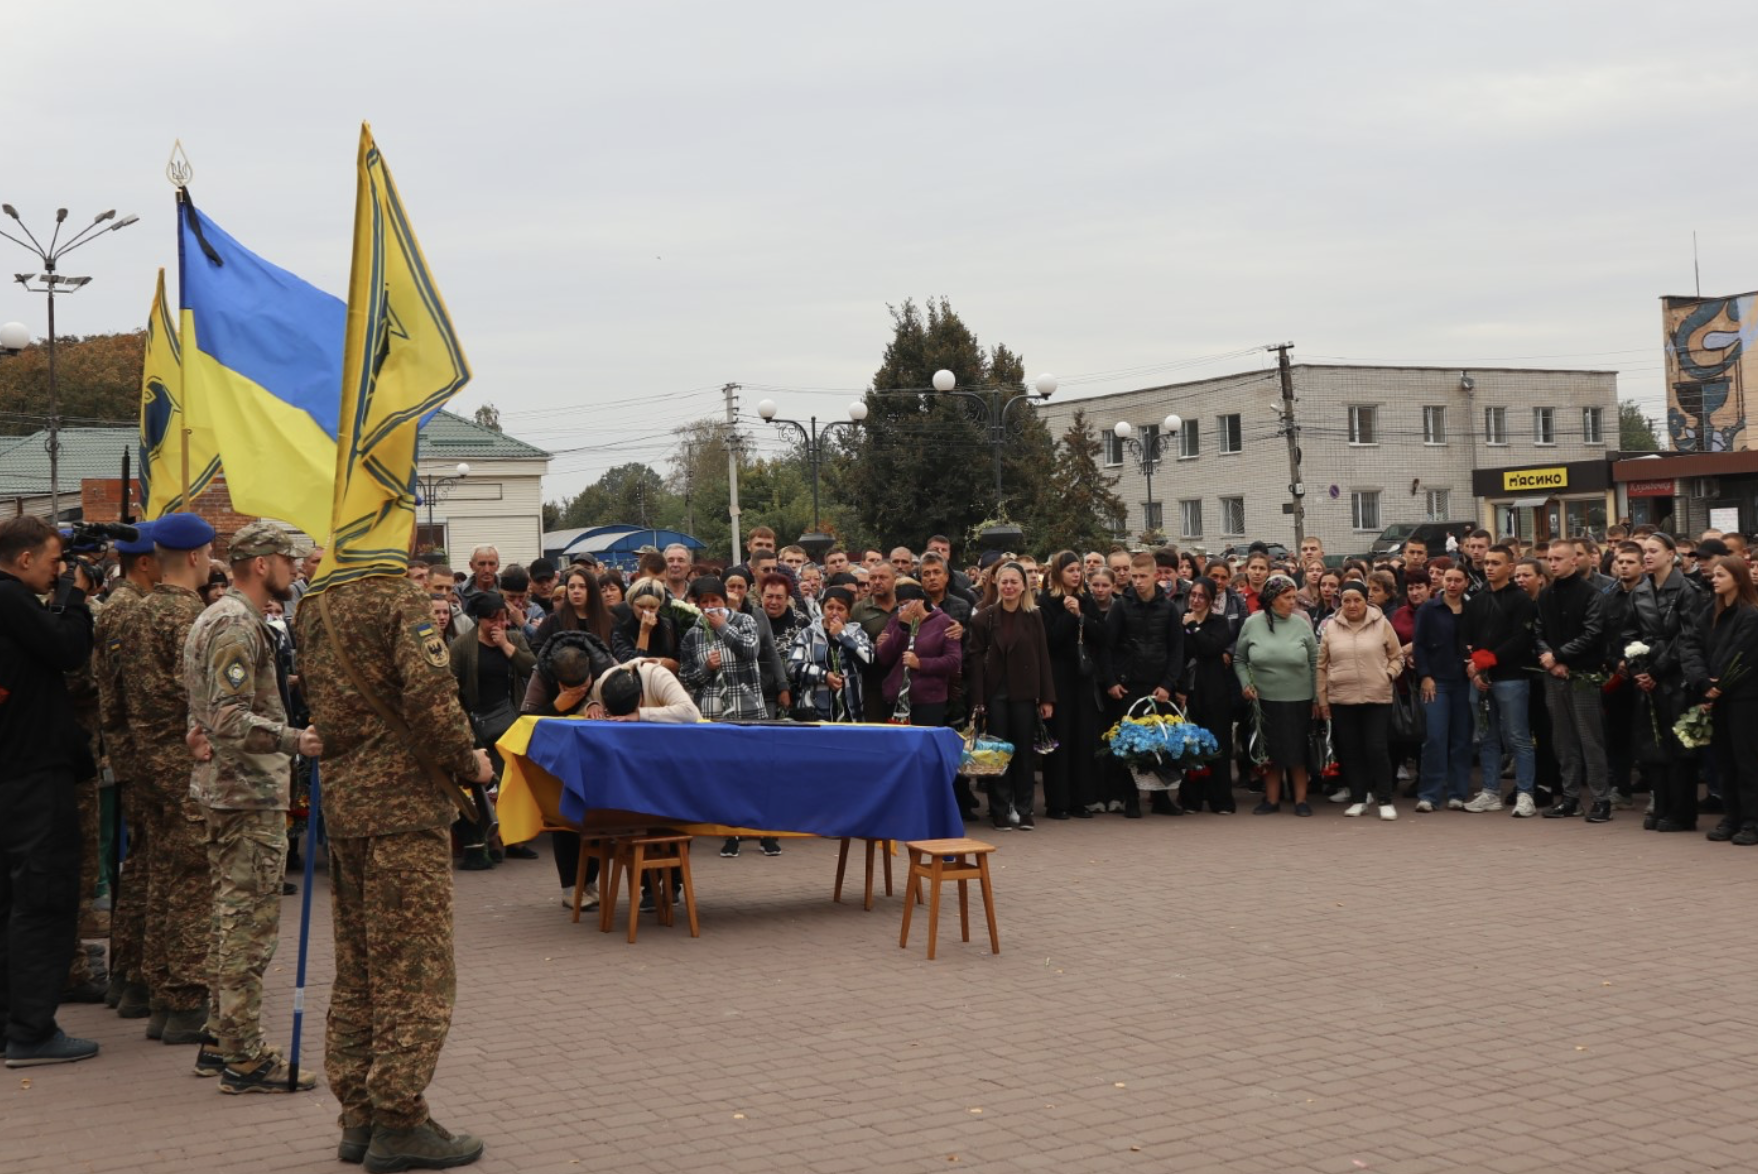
[108, 661]
[152, 686]
[371, 782]
[229, 673]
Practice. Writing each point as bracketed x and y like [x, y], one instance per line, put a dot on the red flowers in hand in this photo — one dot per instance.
[1483, 660]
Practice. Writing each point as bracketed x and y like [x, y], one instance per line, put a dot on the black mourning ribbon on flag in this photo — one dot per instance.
[207, 250]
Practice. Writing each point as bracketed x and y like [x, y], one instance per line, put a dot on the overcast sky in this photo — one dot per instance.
[628, 206]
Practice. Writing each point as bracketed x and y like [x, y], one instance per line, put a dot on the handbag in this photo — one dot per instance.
[1083, 660]
[1321, 754]
[1409, 721]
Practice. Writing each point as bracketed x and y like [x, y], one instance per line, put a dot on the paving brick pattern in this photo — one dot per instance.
[1451, 992]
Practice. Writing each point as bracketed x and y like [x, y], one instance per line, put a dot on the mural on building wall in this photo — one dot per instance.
[1710, 357]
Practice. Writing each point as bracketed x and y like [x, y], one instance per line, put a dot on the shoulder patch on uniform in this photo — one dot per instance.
[432, 644]
[231, 671]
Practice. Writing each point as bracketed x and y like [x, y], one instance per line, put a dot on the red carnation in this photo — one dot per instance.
[1483, 660]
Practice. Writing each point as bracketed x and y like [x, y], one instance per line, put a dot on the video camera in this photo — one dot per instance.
[86, 543]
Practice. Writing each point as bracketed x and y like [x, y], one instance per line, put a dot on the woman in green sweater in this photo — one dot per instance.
[1276, 659]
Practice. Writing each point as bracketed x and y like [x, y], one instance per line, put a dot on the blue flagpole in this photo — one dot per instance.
[313, 812]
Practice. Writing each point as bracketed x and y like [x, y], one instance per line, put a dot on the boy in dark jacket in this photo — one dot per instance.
[1146, 641]
[1498, 625]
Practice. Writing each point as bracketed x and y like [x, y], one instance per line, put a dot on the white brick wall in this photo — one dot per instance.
[1400, 466]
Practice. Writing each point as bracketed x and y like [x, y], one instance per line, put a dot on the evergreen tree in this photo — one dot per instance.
[1082, 504]
[1635, 429]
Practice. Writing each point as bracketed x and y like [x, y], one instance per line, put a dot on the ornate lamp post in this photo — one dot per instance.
[1147, 453]
[49, 282]
[434, 487]
[817, 543]
[995, 405]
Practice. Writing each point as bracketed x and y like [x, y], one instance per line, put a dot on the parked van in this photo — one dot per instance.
[1393, 538]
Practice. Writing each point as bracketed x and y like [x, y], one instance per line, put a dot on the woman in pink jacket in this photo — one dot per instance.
[1359, 657]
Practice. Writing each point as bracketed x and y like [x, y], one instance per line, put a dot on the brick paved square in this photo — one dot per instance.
[1450, 992]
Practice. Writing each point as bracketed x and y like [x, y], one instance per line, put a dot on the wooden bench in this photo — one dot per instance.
[961, 860]
[634, 857]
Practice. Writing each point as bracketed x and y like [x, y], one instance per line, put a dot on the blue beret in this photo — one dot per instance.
[141, 545]
[182, 532]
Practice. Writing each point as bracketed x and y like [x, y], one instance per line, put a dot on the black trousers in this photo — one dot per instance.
[1734, 747]
[1214, 788]
[1619, 707]
[1669, 769]
[1358, 735]
[1016, 722]
[565, 846]
[39, 898]
[1071, 774]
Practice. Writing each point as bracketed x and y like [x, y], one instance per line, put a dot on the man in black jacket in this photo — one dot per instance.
[44, 751]
[1618, 701]
[1146, 641]
[1498, 631]
[1570, 638]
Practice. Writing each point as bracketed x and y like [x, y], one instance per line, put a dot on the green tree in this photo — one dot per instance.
[97, 381]
[921, 464]
[631, 493]
[1081, 504]
[1635, 429]
[489, 417]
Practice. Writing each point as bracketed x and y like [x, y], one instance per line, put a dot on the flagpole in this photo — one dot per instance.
[187, 505]
[312, 810]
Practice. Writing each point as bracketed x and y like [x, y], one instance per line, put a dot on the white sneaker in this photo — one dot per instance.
[1388, 812]
[1524, 807]
[1423, 807]
[1354, 809]
[1096, 808]
[1403, 774]
[1485, 801]
[1114, 806]
[588, 899]
[1455, 805]
[1341, 795]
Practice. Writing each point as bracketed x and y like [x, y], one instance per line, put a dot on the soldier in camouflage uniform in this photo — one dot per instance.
[242, 774]
[86, 982]
[179, 892]
[140, 570]
[390, 861]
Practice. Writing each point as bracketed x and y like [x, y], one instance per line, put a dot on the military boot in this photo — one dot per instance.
[186, 1027]
[113, 991]
[156, 1024]
[355, 1140]
[429, 1146]
[134, 1004]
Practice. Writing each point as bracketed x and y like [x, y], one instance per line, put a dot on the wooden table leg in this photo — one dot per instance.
[909, 906]
[689, 888]
[886, 846]
[612, 860]
[637, 858]
[934, 906]
[868, 905]
[964, 907]
[841, 865]
[580, 879]
[989, 902]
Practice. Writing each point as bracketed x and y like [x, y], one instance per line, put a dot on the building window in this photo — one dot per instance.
[1437, 504]
[1434, 425]
[1189, 441]
[430, 537]
[1544, 425]
[1495, 425]
[1233, 514]
[1120, 523]
[1113, 449]
[1231, 438]
[1191, 512]
[1361, 425]
[1150, 440]
[1593, 425]
[1364, 508]
[1150, 512]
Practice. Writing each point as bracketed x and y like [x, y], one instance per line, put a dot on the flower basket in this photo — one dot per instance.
[983, 757]
[1156, 742]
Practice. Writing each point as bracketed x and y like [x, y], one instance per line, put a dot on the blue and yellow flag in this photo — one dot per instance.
[163, 422]
[401, 362]
[262, 359]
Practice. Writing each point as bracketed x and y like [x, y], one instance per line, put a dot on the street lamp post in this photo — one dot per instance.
[435, 486]
[813, 437]
[50, 282]
[1147, 453]
[995, 405]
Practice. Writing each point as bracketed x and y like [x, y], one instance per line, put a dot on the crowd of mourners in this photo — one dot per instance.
[1562, 671]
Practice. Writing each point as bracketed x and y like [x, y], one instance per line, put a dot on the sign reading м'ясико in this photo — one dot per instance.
[1519, 480]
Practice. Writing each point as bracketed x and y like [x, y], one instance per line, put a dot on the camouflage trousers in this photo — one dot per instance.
[180, 905]
[391, 1006]
[128, 910]
[247, 853]
[80, 971]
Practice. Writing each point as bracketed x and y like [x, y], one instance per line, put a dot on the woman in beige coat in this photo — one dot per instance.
[1359, 657]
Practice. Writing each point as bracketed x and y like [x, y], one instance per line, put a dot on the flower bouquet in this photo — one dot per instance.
[1043, 742]
[1482, 661]
[1636, 656]
[1155, 746]
[684, 614]
[1697, 727]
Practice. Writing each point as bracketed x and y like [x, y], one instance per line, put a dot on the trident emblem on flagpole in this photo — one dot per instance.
[178, 169]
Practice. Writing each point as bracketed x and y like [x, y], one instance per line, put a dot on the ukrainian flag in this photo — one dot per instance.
[262, 359]
[163, 422]
[401, 363]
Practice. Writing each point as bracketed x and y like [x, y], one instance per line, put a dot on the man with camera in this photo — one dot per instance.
[45, 752]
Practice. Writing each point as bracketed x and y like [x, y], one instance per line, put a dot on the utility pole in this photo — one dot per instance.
[731, 391]
[1291, 431]
[689, 484]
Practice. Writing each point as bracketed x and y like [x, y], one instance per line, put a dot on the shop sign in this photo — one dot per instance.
[1523, 480]
[1662, 488]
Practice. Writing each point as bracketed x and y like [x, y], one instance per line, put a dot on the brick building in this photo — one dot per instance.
[1378, 446]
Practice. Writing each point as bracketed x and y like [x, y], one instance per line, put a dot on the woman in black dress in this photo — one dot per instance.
[1212, 698]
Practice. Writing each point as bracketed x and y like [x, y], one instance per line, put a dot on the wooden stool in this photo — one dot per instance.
[970, 860]
[842, 864]
[636, 856]
[603, 844]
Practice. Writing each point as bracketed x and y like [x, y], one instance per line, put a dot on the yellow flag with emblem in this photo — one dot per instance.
[163, 422]
[401, 361]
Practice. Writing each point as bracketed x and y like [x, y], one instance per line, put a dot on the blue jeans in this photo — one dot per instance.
[1449, 722]
[1509, 723]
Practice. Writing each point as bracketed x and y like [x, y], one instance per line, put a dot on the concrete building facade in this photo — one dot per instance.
[1378, 446]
